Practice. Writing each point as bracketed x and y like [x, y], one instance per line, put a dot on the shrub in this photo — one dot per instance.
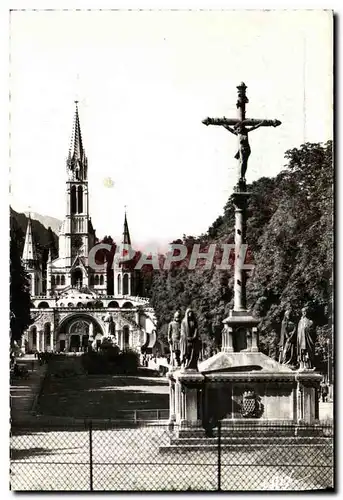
[110, 361]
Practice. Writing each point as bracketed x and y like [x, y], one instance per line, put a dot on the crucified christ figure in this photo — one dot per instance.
[244, 151]
[241, 127]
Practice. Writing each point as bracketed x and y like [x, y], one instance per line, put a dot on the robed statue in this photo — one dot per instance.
[174, 334]
[91, 339]
[305, 340]
[288, 339]
[110, 326]
[189, 341]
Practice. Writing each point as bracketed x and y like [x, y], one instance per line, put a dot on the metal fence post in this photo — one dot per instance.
[219, 454]
[90, 457]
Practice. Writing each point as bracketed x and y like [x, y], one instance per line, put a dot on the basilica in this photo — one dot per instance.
[79, 302]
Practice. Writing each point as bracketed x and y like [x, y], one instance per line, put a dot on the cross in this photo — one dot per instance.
[77, 85]
[241, 126]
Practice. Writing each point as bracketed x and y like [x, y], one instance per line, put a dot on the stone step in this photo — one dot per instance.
[261, 434]
[211, 444]
[250, 441]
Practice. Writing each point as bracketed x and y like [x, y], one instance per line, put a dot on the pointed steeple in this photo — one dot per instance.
[29, 253]
[126, 233]
[77, 161]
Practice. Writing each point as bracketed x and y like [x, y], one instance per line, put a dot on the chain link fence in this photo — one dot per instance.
[143, 456]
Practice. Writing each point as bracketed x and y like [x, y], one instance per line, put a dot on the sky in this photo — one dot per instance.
[145, 81]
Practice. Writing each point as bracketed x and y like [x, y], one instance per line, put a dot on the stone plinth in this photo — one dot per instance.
[240, 332]
[218, 391]
[185, 397]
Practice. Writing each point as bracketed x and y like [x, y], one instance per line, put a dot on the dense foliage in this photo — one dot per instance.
[19, 284]
[44, 238]
[290, 236]
[110, 360]
[19, 290]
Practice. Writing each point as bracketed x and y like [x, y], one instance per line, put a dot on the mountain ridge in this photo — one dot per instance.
[46, 220]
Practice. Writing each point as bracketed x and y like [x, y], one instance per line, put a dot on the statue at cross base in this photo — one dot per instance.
[241, 127]
[306, 339]
[174, 334]
[189, 341]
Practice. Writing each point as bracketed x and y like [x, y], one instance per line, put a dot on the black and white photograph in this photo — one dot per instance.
[171, 250]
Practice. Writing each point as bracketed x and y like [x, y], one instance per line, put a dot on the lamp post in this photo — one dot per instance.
[329, 378]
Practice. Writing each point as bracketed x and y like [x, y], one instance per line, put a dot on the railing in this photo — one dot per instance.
[148, 456]
[140, 415]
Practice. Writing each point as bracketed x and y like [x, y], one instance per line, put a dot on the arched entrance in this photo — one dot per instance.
[126, 337]
[78, 332]
[32, 339]
[125, 285]
[77, 277]
[61, 342]
[47, 336]
[74, 331]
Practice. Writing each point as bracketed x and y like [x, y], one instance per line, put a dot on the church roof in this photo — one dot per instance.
[74, 296]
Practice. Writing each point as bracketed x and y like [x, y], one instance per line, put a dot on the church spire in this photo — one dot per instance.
[126, 233]
[29, 253]
[77, 161]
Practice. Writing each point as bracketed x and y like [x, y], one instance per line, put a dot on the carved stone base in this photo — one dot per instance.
[240, 332]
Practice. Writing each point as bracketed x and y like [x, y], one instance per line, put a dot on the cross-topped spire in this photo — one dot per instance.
[78, 150]
[77, 161]
[29, 257]
[126, 232]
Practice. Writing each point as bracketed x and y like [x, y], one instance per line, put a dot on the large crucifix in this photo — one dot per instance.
[241, 126]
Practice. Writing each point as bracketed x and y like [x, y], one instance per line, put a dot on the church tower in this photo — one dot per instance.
[31, 263]
[76, 234]
[123, 273]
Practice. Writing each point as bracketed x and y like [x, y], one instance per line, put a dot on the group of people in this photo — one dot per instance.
[145, 358]
[297, 343]
[324, 391]
[43, 357]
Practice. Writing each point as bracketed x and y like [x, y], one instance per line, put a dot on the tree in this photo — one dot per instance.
[20, 302]
[52, 244]
[294, 255]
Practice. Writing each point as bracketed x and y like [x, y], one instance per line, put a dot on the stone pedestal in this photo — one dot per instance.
[307, 396]
[240, 332]
[218, 390]
[185, 396]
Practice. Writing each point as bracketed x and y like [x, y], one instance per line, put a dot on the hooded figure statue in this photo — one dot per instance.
[189, 341]
[288, 338]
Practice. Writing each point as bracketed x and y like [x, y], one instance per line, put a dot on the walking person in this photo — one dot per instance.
[325, 392]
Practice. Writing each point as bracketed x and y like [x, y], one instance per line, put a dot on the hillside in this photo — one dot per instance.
[44, 238]
[46, 220]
